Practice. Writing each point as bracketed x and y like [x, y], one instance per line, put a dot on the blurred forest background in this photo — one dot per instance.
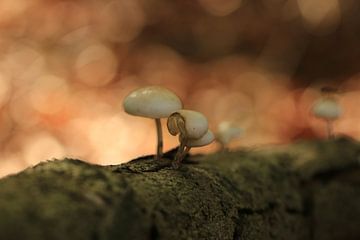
[65, 67]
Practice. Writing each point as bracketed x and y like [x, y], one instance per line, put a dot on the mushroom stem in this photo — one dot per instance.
[179, 153]
[329, 129]
[184, 153]
[223, 147]
[159, 152]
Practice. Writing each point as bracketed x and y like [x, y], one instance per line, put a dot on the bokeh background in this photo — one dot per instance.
[66, 66]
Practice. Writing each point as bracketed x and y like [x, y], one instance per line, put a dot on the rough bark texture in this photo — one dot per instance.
[309, 190]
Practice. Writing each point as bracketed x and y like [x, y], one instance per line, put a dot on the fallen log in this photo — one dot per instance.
[307, 190]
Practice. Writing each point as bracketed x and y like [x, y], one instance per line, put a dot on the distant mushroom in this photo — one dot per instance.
[327, 108]
[227, 131]
[189, 125]
[153, 102]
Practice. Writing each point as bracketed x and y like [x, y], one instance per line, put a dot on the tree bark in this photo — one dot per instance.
[307, 190]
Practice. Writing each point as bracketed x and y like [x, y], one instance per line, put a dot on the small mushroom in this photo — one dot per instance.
[203, 141]
[153, 102]
[189, 125]
[228, 131]
[327, 108]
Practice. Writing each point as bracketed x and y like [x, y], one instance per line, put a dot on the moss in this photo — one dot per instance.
[258, 194]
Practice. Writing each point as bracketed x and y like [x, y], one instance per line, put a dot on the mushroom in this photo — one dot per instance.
[327, 108]
[189, 125]
[227, 131]
[153, 102]
[203, 141]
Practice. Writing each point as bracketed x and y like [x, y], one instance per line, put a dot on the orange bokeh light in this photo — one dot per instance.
[66, 66]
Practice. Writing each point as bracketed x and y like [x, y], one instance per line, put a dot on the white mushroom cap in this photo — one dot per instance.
[152, 102]
[327, 108]
[228, 131]
[192, 124]
[203, 141]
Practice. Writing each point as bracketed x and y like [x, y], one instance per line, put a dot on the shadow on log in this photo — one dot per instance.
[308, 190]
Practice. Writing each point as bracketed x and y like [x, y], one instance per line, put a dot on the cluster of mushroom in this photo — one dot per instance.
[193, 131]
[158, 102]
[192, 127]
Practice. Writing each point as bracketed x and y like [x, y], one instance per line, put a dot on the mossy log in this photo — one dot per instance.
[308, 190]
